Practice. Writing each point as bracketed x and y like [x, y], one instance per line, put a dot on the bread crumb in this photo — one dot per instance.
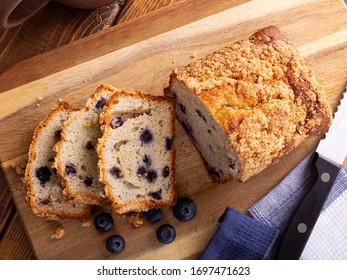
[39, 99]
[19, 166]
[193, 55]
[38, 105]
[86, 223]
[60, 100]
[59, 233]
[174, 61]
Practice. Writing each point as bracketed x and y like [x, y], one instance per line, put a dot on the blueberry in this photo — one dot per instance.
[166, 233]
[101, 103]
[153, 215]
[146, 136]
[116, 122]
[151, 176]
[165, 172]
[115, 244]
[103, 222]
[70, 169]
[89, 145]
[232, 165]
[147, 160]
[156, 195]
[43, 174]
[141, 171]
[88, 181]
[58, 133]
[168, 143]
[184, 210]
[116, 172]
[183, 108]
[45, 201]
[201, 115]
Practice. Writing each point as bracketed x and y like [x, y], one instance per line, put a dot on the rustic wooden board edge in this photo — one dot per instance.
[146, 26]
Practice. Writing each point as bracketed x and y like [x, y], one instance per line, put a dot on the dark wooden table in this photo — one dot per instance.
[53, 26]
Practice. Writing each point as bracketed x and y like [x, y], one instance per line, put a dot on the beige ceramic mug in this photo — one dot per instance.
[14, 12]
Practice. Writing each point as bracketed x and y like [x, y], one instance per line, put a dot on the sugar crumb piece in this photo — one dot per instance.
[59, 233]
[193, 55]
[38, 105]
[86, 223]
[102, 194]
[60, 100]
[174, 61]
[39, 98]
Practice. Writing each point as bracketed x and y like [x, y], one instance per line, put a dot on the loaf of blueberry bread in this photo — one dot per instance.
[248, 104]
[136, 151]
[44, 189]
[76, 159]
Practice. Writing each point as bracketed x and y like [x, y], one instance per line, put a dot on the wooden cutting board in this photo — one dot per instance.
[140, 54]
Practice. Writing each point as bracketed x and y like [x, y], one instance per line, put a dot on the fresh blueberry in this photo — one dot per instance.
[115, 244]
[103, 222]
[146, 136]
[70, 169]
[165, 172]
[166, 233]
[183, 108]
[101, 103]
[58, 133]
[88, 181]
[89, 145]
[116, 122]
[43, 174]
[151, 176]
[184, 210]
[147, 160]
[168, 143]
[156, 195]
[116, 172]
[153, 215]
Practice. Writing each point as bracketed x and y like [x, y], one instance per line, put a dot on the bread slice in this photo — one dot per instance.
[45, 191]
[76, 158]
[248, 104]
[136, 152]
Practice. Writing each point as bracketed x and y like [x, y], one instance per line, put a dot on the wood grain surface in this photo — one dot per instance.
[144, 61]
[52, 27]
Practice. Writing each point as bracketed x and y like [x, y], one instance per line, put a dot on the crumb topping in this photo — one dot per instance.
[263, 95]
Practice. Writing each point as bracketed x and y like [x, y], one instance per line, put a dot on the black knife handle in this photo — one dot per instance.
[297, 231]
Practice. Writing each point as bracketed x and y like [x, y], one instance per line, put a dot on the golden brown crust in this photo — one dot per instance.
[47, 213]
[105, 119]
[87, 199]
[263, 95]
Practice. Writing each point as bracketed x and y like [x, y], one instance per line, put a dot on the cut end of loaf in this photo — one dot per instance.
[247, 105]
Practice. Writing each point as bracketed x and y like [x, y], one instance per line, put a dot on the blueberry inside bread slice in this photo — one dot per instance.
[45, 190]
[76, 158]
[248, 104]
[136, 151]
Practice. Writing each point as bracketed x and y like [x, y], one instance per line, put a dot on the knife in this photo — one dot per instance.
[326, 162]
